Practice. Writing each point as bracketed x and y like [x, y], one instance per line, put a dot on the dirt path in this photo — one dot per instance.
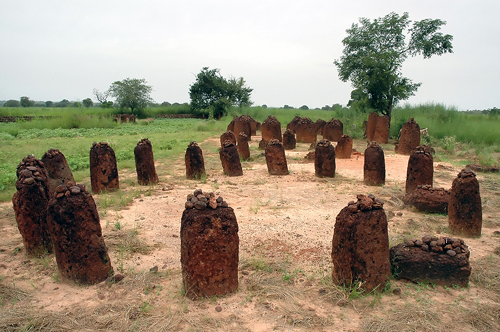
[285, 229]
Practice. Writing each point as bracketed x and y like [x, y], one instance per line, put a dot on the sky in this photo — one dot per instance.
[284, 50]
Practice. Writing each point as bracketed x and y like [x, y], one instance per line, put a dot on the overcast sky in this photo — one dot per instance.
[59, 49]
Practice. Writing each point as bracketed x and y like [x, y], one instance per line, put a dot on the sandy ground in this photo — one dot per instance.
[286, 227]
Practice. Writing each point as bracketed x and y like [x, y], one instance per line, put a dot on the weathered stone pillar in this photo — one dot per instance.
[377, 128]
[360, 246]
[420, 169]
[292, 125]
[276, 158]
[343, 150]
[410, 137]
[230, 159]
[227, 136]
[306, 131]
[30, 206]
[103, 169]
[74, 224]
[195, 164]
[333, 130]
[57, 169]
[324, 159]
[465, 215]
[289, 141]
[243, 147]
[209, 246]
[374, 166]
[320, 125]
[271, 129]
[242, 125]
[145, 163]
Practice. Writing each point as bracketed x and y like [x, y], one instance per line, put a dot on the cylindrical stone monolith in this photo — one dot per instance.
[320, 125]
[465, 216]
[333, 130]
[230, 159]
[360, 245]
[324, 159]
[103, 169]
[209, 247]
[145, 163]
[57, 169]
[292, 125]
[81, 254]
[374, 166]
[420, 169]
[289, 141]
[243, 147]
[271, 129]
[227, 136]
[377, 128]
[276, 158]
[410, 137]
[343, 150]
[195, 164]
[306, 131]
[242, 125]
[30, 206]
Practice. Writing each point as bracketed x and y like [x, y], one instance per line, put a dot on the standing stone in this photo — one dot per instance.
[227, 136]
[374, 166]
[243, 147]
[410, 137]
[333, 130]
[292, 125]
[242, 125]
[343, 150]
[306, 130]
[271, 129]
[420, 169]
[230, 126]
[324, 159]
[209, 250]
[275, 158]
[465, 216]
[254, 126]
[195, 164]
[289, 141]
[377, 128]
[262, 144]
[145, 163]
[360, 246]
[74, 224]
[230, 159]
[103, 169]
[320, 125]
[30, 206]
[58, 170]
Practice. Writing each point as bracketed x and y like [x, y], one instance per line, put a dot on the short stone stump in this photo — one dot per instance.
[276, 158]
[289, 141]
[374, 165]
[324, 159]
[428, 199]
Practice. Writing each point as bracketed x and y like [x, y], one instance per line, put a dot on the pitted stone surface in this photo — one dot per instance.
[227, 136]
[324, 159]
[374, 165]
[428, 199]
[410, 137]
[103, 168]
[145, 163]
[343, 150]
[230, 159]
[271, 129]
[289, 141]
[276, 158]
[57, 169]
[243, 147]
[333, 130]
[377, 128]
[195, 164]
[420, 168]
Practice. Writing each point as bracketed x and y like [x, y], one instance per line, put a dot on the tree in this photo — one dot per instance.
[132, 94]
[87, 102]
[12, 103]
[303, 107]
[48, 103]
[374, 52]
[26, 102]
[62, 103]
[102, 97]
[213, 94]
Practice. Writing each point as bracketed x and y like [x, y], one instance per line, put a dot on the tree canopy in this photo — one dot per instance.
[213, 94]
[132, 95]
[374, 52]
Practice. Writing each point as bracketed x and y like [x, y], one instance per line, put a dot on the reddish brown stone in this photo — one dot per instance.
[230, 126]
[343, 150]
[145, 163]
[227, 136]
[428, 199]
[209, 252]
[377, 128]
[276, 158]
[465, 216]
[324, 159]
[124, 118]
[271, 129]
[360, 245]
[230, 159]
[243, 147]
[333, 130]
[57, 169]
[262, 144]
[320, 125]
[254, 126]
[410, 137]
[242, 125]
[103, 169]
[292, 125]
[30, 206]
[289, 141]
[195, 164]
[306, 130]
[374, 166]
[74, 224]
[420, 169]
[482, 169]
[442, 267]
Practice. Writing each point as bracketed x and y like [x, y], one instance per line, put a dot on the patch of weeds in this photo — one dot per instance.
[146, 307]
[118, 225]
